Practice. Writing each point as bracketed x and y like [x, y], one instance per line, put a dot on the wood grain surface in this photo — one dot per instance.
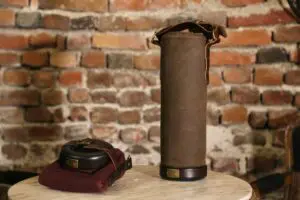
[144, 183]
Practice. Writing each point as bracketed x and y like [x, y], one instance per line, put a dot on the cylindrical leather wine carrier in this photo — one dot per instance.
[184, 78]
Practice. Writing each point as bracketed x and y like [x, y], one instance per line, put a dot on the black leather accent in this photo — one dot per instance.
[185, 174]
[269, 183]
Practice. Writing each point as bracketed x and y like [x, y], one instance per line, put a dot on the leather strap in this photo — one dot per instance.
[211, 31]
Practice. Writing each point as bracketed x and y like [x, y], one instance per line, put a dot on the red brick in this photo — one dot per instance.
[129, 117]
[35, 58]
[104, 115]
[15, 134]
[245, 95]
[292, 77]
[14, 3]
[297, 100]
[109, 23]
[94, 59]
[147, 62]
[55, 21]
[287, 34]
[144, 23]
[16, 77]
[133, 135]
[11, 116]
[132, 98]
[12, 41]
[134, 5]
[239, 3]
[19, 97]
[75, 5]
[253, 37]
[218, 95]
[38, 114]
[231, 58]
[77, 42]
[281, 118]
[70, 78]
[79, 95]
[14, 151]
[271, 18]
[151, 115]
[9, 59]
[258, 119]
[271, 97]
[237, 75]
[154, 134]
[42, 40]
[61, 42]
[103, 97]
[268, 76]
[104, 132]
[215, 79]
[64, 59]
[53, 97]
[45, 133]
[234, 115]
[7, 17]
[119, 41]
[125, 79]
[156, 95]
[158, 4]
[295, 55]
[99, 79]
[43, 79]
[79, 114]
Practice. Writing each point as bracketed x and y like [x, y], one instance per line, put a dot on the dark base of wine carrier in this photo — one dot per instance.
[183, 174]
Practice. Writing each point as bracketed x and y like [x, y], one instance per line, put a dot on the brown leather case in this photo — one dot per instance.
[184, 78]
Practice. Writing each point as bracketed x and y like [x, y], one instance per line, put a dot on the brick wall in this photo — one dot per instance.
[72, 69]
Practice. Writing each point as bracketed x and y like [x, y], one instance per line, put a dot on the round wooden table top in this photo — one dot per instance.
[144, 183]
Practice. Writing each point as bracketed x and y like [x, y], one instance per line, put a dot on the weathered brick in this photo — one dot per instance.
[292, 77]
[28, 19]
[213, 116]
[280, 119]
[99, 79]
[14, 3]
[104, 115]
[11, 115]
[240, 3]
[268, 76]
[35, 58]
[132, 98]
[261, 164]
[61, 42]
[119, 61]
[45, 133]
[133, 5]
[104, 132]
[146, 62]
[278, 138]
[43, 79]
[53, 97]
[55, 21]
[15, 134]
[119, 41]
[16, 77]
[297, 100]
[258, 119]
[151, 115]
[9, 59]
[137, 149]
[60, 115]
[218, 95]
[77, 42]
[234, 115]
[109, 23]
[229, 165]
[38, 114]
[144, 23]
[271, 18]
[133, 135]
[75, 5]
[13, 41]
[129, 117]
[245, 95]
[158, 4]
[76, 132]
[14, 151]
[253, 37]
[86, 22]
[79, 114]
[254, 139]
[287, 34]
[231, 58]
[272, 55]
[272, 97]
[64, 59]
[295, 55]
[237, 75]
[154, 134]
[124, 79]
[19, 97]
[7, 17]
[93, 59]
[69, 78]
[42, 40]
[104, 97]
[79, 95]
[156, 95]
[215, 79]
